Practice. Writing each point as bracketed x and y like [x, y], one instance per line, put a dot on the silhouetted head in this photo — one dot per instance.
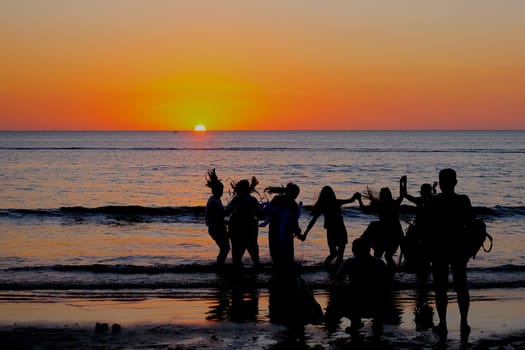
[447, 180]
[426, 190]
[360, 247]
[292, 190]
[385, 195]
[326, 196]
[327, 192]
[213, 182]
[242, 187]
[218, 191]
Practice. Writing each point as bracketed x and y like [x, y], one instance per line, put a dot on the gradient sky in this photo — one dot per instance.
[155, 65]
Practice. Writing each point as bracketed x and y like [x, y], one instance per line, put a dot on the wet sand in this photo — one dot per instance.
[193, 322]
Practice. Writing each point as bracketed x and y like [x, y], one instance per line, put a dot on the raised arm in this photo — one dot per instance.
[402, 189]
[367, 209]
[404, 193]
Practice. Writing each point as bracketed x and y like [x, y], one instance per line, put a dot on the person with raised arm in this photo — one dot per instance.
[384, 235]
[329, 206]
[415, 244]
[215, 213]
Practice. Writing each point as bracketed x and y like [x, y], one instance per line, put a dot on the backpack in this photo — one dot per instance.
[476, 235]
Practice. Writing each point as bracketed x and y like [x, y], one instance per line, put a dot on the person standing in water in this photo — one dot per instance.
[415, 244]
[244, 229]
[386, 234]
[215, 214]
[449, 214]
[329, 206]
[283, 215]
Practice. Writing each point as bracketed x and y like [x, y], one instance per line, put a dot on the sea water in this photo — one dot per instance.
[122, 213]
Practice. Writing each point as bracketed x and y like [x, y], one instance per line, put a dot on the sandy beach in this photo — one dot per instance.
[193, 322]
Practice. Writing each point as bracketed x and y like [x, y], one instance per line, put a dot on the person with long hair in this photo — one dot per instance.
[215, 214]
[329, 206]
[386, 234]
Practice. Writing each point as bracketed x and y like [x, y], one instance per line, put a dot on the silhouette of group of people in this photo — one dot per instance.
[436, 241]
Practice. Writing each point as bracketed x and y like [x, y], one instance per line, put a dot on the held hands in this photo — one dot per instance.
[301, 237]
[357, 197]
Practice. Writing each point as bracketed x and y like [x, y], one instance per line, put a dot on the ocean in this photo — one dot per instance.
[121, 214]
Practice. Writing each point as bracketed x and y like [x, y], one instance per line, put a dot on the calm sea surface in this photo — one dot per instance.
[124, 210]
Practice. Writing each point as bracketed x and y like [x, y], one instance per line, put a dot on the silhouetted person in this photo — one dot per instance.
[215, 214]
[244, 230]
[329, 206]
[385, 235]
[426, 192]
[368, 293]
[449, 214]
[292, 302]
[415, 248]
[415, 245]
[283, 215]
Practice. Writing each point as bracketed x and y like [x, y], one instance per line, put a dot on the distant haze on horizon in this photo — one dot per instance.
[262, 65]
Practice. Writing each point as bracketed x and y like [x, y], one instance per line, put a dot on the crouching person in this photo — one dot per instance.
[368, 293]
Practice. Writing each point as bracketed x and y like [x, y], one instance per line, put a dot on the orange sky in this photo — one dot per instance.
[135, 64]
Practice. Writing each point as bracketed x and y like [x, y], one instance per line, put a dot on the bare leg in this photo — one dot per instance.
[253, 250]
[237, 252]
[333, 253]
[390, 261]
[224, 249]
[459, 274]
[340, 254]
[440, 275]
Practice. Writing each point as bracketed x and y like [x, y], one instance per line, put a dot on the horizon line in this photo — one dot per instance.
[243, 130]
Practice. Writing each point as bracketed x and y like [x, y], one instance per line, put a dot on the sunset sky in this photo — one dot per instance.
[229, 65]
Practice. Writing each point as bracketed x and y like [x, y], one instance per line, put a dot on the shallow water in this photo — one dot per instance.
[493, 313]
[98, 210]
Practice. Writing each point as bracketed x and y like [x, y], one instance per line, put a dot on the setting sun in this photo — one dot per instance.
[200, 127]
[168, 65]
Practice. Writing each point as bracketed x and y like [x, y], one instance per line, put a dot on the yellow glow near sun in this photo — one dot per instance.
[200, 127]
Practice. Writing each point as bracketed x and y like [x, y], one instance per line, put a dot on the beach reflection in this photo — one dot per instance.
[236, 301]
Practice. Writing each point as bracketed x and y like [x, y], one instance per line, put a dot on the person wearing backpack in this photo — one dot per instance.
[449, 214]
